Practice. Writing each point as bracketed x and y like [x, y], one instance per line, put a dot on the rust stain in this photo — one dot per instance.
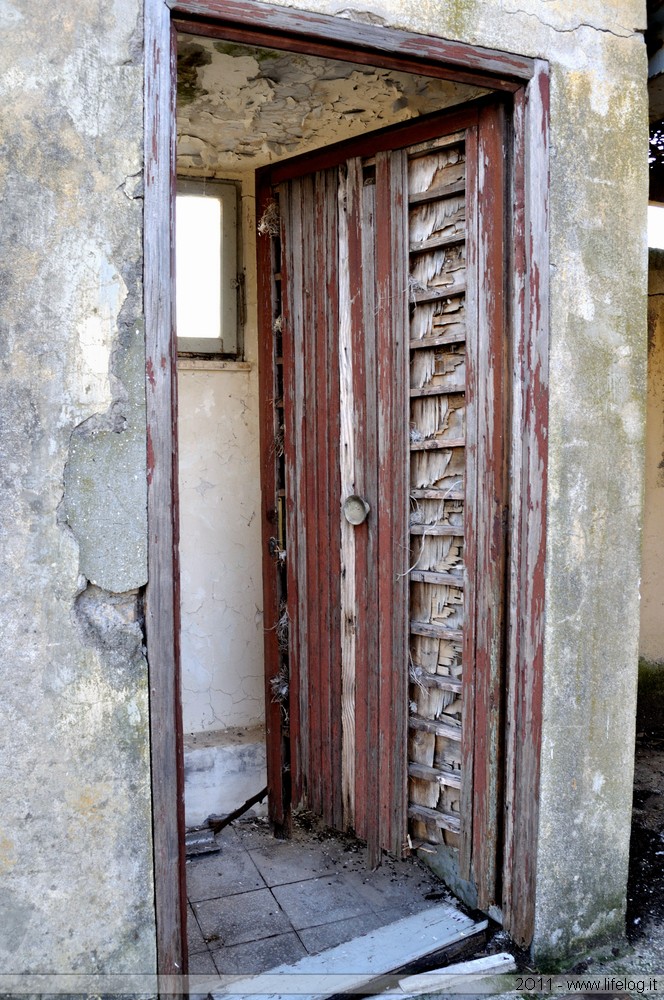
[150, 457]
[7, 854]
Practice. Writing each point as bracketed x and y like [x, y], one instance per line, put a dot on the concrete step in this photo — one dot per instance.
[222, 769]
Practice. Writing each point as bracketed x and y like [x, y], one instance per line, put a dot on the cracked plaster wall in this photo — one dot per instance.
[220, 533]
[652, 587]
[596, 431]
[75, 826]
[241, 107]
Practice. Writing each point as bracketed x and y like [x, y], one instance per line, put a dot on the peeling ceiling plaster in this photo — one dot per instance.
[241, 107]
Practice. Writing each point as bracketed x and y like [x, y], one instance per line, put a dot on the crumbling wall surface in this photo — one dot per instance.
[652, 587]
[597, 379]
[75, 825]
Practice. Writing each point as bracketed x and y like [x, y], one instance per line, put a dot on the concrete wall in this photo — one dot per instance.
[652, 582]
[75, 841]
[75, 824]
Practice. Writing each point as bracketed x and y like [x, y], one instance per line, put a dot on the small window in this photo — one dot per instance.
[206, 288]
[656, 227]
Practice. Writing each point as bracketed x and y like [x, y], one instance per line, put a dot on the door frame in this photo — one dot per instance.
[526, 81]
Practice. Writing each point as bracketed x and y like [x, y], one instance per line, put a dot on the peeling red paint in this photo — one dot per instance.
[320, 34]
[149, 368]
[150, 458]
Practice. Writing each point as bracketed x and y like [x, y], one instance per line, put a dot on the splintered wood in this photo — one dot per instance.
[437, 283]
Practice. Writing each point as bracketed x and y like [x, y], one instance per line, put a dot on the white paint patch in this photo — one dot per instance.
[598, 782]
[102, 293]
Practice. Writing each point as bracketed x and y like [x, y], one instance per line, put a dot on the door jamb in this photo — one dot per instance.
[528, 81]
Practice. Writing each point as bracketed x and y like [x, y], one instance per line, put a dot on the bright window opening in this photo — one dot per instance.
[656, 227]
[206, 268]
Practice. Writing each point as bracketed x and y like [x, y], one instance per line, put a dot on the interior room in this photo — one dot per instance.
[239, 109]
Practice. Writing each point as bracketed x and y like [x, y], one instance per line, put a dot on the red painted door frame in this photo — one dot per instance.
[528, 82]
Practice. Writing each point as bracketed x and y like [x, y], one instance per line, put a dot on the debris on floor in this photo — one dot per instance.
[645, 890]
[262, 902]
[451, 977]
[200, 842]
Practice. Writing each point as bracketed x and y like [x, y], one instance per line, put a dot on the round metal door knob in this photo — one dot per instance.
[355, 509]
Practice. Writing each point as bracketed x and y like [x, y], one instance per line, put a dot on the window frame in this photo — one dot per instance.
[229, 347]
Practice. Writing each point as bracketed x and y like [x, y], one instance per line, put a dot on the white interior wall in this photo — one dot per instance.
[220, 543]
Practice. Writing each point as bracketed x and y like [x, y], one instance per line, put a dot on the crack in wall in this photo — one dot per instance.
[624, 33]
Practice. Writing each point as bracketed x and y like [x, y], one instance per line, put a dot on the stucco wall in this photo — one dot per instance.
[652, 581]
[75, 840]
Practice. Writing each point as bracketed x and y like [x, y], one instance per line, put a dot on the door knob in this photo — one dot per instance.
[355, 509]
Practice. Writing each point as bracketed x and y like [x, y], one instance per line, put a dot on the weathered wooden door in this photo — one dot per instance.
[391, 341]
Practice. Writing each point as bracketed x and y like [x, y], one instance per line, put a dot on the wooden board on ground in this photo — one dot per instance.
[361, 961]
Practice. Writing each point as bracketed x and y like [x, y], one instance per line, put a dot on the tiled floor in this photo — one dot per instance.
[262, 902]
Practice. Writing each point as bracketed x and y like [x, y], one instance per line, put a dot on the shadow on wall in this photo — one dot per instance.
[650, 703]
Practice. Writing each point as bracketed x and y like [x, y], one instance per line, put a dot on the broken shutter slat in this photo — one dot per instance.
[438, 445]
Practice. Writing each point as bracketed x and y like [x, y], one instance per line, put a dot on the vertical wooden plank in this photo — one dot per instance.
[313, 507]
[333, 521]
[268, 428]
[348, 273]
[324, 294]
[392, 338]
[162, 604]
[470, 507]
[318, 415]
[361, 265]
[291, 240]
[491, 408]
[530, 318]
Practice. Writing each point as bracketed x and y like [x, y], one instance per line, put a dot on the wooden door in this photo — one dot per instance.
[391, 341]
[345, 329]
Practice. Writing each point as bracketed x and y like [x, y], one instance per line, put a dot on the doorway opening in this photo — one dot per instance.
[470, 258]
[241, 111]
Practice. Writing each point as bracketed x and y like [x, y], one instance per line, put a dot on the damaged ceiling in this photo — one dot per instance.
[241, 107]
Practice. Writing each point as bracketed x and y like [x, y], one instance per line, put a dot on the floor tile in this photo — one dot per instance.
[235, 919]
[284, 861]
[319, 901]
[253, 834]
[225, 874]
[202, 964]
[195, 941]
[389, 887]
[258, 956]
[324, 936]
